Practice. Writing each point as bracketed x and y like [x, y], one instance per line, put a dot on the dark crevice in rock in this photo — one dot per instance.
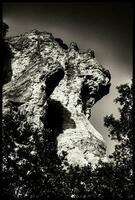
[16, 103]
[58, 118]
[60, 42]
[103, 90]
[53, 80]
[84, 96]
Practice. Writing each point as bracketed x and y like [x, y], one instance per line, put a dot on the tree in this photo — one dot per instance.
[122, 130]
[30, 165]
[17, 163]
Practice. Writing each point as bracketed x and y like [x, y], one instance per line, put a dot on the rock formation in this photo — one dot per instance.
[56, 86]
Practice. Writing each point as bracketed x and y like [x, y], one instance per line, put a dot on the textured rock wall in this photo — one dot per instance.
[61, 83]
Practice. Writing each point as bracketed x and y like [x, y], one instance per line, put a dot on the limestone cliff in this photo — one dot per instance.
[61, 83]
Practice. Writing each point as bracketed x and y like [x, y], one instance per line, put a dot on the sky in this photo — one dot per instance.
[104, 27]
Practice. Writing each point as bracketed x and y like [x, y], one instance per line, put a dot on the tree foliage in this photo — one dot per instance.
[121, 129]
[31, 167]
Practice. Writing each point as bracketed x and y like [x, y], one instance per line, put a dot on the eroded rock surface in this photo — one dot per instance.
[60, 82]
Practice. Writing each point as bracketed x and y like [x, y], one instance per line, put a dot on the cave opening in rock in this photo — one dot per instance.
[53, 80]
[58, 118]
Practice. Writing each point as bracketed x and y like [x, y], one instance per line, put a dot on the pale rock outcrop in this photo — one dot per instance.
[61, 83]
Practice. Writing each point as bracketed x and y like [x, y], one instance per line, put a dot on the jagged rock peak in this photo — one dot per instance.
[91, 53]
[73, 45]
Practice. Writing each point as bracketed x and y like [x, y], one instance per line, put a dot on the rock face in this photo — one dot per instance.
[61, 83]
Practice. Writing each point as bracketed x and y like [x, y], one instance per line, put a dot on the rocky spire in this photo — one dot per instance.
[50, 79]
